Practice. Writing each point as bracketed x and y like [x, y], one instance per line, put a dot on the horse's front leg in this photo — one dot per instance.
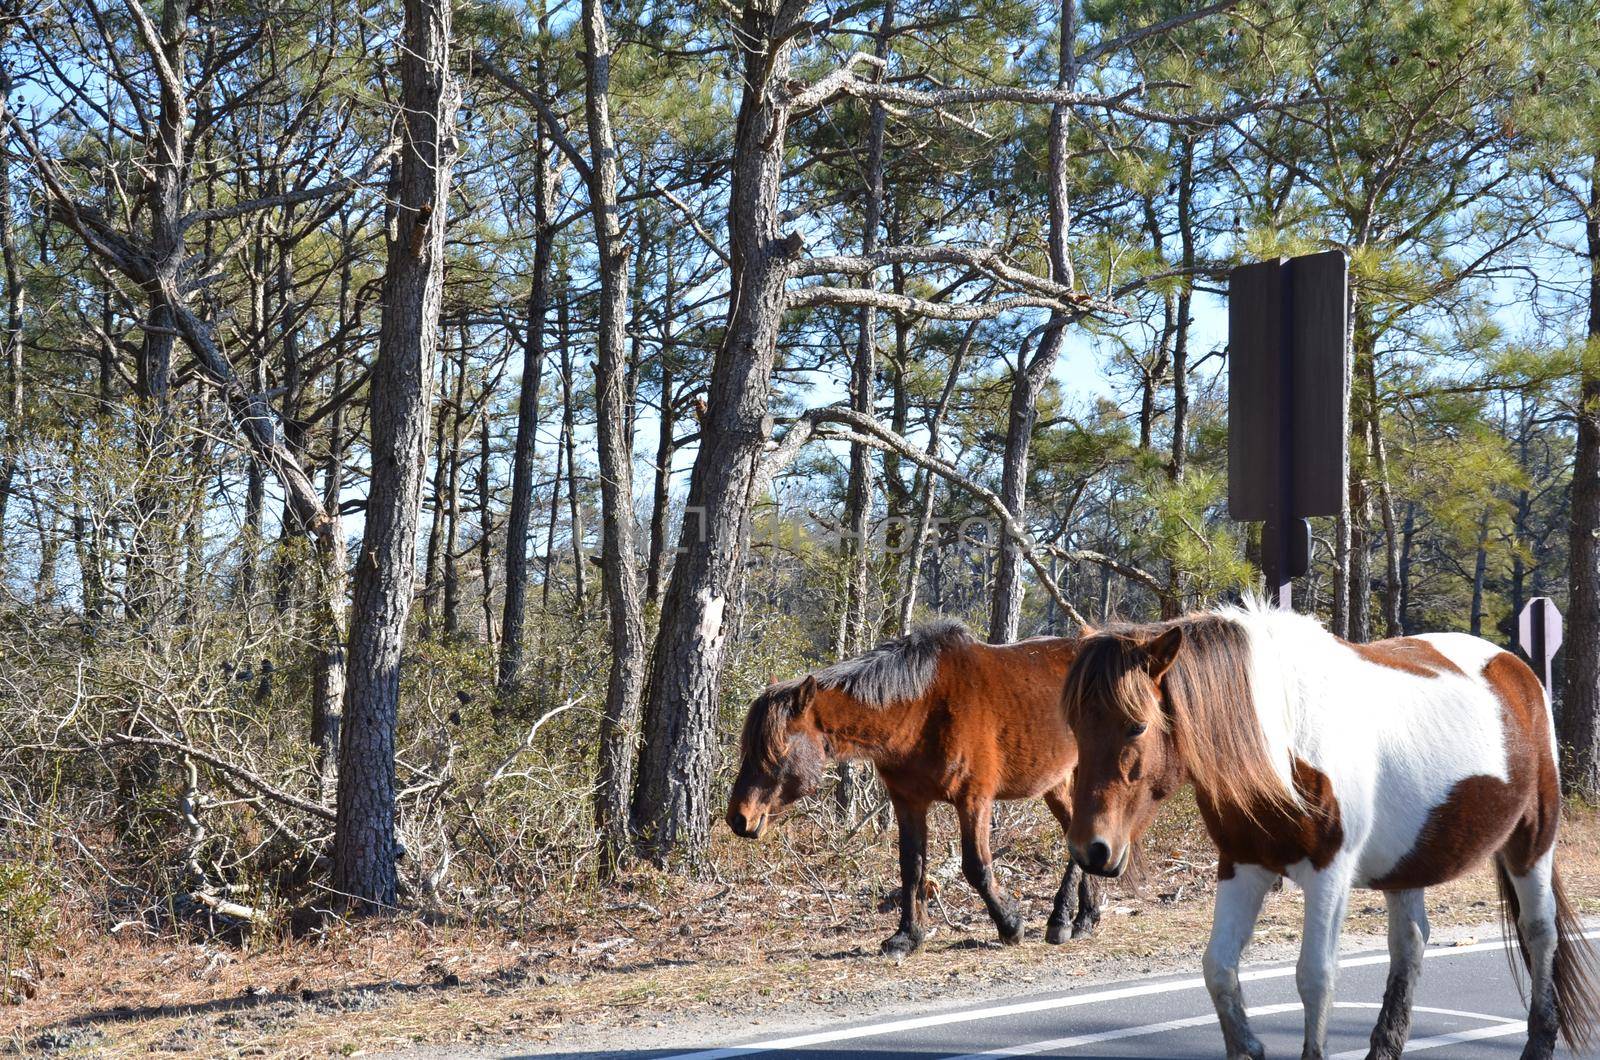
[912, 819]
[1055, 930]
[976, 866]
[1090, 895]
[1239, 898]
[1327, 896]
[1088, 915]
[1408, 938]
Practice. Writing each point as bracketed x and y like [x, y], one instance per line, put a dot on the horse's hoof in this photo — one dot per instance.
[900, 944]
[1055, 934]
[1082, 929]
[1253, 1050]
[1011, 932]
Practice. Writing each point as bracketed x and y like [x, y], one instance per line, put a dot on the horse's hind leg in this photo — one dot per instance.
[913, 827]
[1059, 799]
[1327, 897]
[1535, 909]
[976, 866]
[1408, 938]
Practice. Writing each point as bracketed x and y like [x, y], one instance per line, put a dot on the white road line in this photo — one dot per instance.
[1121, 1033]
[1439, 1041]
[1048, 1004]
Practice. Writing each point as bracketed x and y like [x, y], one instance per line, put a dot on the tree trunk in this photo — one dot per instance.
[327, 692]
[1407, 535]
[519, 521]
[620, 572]
[450, 615]
[430, 569]
[672, 811]
[364, 846]
[11, 341]
[863, 373]
[1363, 406]
[1391, 535]
[569, 432]
[666, 444]
[1480, 567]
[485, 521]
[1005, 611]
[919, 538]
[1579, 729]
[1180, 341]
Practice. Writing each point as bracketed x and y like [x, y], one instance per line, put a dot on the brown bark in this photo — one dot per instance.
[1579, 723]
[919, 538]
[11, 339]
[451, 610]
[1480, 567]
[364, 846]
[485, 521]
[666, 444]
[569, 434]
[519, 520]
[671, 810]
[620, 575]
[1005, 611]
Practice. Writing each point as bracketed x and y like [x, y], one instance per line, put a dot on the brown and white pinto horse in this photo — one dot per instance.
[945, 719]
[1396, 766]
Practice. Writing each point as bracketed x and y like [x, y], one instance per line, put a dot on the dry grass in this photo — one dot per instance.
[788, 923]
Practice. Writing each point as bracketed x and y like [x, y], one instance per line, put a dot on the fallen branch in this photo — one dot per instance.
[238, 772]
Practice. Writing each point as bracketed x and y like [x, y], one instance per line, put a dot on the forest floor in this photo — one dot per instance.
[786, 926]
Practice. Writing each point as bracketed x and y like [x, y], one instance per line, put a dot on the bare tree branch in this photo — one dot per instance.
[553, 125]
[868, 431]
[291, 198]
[820, 294]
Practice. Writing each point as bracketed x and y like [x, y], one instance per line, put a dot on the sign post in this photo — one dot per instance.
[1539, 635]
[1288, 404]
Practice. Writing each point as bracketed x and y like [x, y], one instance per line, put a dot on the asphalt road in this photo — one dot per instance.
[1468, 1008]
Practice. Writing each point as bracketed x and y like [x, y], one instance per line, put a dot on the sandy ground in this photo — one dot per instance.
[784, 932]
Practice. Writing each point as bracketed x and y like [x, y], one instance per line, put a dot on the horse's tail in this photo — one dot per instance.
[1577, 970]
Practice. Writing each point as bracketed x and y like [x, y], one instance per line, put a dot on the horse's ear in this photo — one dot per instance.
[1159, 653]
[806, 692]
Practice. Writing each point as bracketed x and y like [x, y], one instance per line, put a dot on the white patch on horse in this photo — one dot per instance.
[1393, 744]
[1274, 638]
[1470, 654]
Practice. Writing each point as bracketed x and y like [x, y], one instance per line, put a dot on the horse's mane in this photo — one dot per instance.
[1214, 721]
[763, 732]
[897, 670]
[893, 672]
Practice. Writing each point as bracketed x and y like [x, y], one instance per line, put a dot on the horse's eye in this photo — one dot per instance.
[1136, 731]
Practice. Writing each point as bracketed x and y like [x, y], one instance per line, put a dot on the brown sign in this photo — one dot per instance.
[1288, 387]
[1288, 403]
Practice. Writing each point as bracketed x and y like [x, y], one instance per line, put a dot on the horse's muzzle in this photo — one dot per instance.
[1096, 859]
[747, 827]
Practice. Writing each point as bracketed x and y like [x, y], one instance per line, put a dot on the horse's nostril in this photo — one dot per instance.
[1098, 855]
[736, 821]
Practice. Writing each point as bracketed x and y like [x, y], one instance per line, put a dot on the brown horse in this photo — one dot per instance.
[944, 718]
